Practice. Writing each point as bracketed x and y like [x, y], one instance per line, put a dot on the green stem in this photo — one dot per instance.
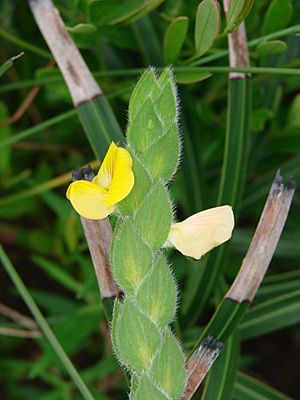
[138, 71]
[248, 70]
[43, 324]
[252, 43]
[24, 45]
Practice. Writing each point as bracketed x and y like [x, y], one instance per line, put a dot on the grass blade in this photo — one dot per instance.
[233, 169]
[45, 328]
[220, 381]
[151, 49]
[37, 128]
[100, 124]
[269, 316]
[58, 274]
[248, 388]
[277, 285]
[24, 45]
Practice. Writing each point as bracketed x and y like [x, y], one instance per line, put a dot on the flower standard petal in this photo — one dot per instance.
[108, 166]
[115, 174]
[203, 231]
[88, 199]
[123, 178]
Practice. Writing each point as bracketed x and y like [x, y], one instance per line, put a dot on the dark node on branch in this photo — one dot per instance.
[85, 173]
[200, 363]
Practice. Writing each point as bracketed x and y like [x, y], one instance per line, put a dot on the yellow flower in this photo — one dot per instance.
[201, 232]
[114, 181]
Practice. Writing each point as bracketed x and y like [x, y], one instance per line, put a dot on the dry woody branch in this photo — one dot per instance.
[238, 48]
[264, 242]
[200, 363]
[80, 81]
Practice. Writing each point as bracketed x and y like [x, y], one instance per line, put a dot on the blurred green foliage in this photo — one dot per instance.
[43, 235]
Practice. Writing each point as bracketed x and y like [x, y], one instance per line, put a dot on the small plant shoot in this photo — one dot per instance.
[141, 335]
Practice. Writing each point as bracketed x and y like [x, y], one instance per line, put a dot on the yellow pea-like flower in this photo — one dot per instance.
[201, 232]
[114, 181]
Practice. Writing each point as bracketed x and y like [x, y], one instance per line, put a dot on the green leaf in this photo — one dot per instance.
[238, 11]
[159, 97]
[248, 388]
[277, 313]
[207, 26]
[135, 336]
[153, 111]
[142, 184]
[148, 122]
[163, 164]
[189, 77]
[153, 219]
[157, 294]
[146, 390]
[115, 323]
[165, 102]
[168, 368]
[271, 47]
[278, 16]
[131, 258]
[147, 87]
[174, 38]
